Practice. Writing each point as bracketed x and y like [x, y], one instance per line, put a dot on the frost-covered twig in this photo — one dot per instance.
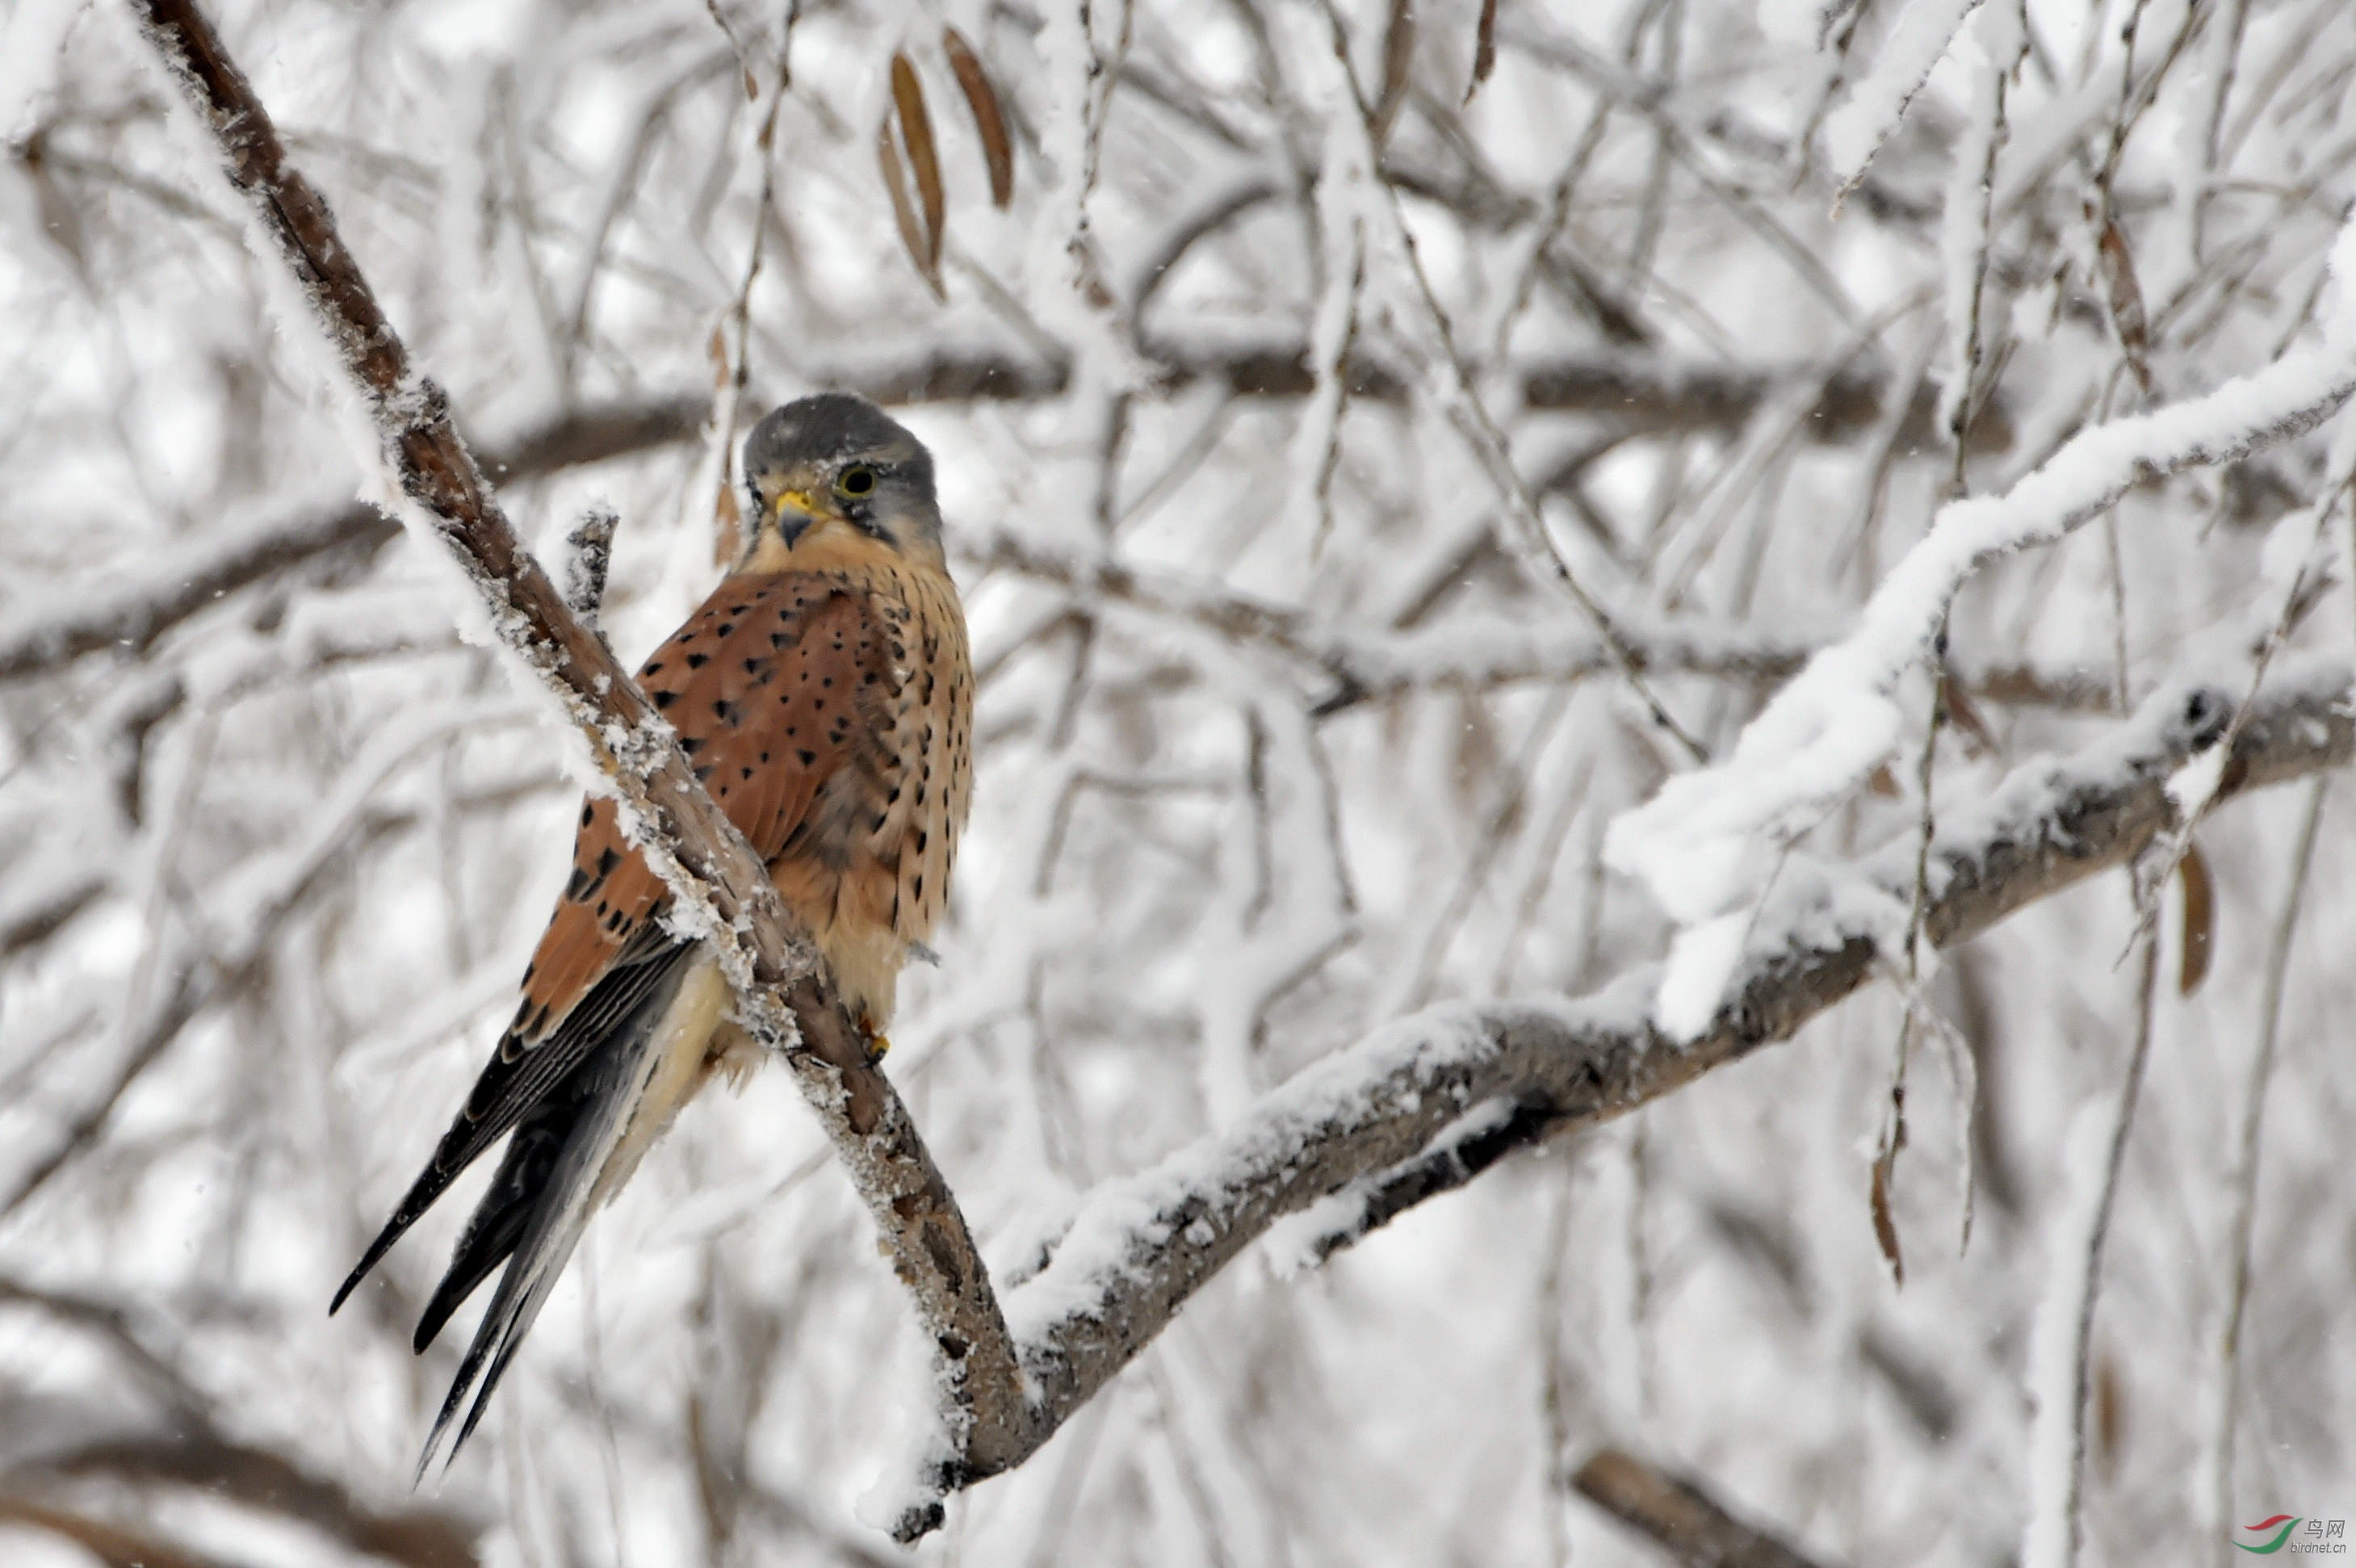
[1964, 232]
[711, 870]
[1530, 537]
[2247, 1142]
[1651, 393]
[130, 610]
[1687, 1523]
[2060, 1351]
[1706, 842]
[1484, 654]
[1386, 1111]
[1855, 131]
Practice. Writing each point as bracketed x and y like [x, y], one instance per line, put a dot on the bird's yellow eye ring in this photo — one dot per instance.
[857, 480]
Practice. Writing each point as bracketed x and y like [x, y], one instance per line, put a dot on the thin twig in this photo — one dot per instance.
[2248, 1146]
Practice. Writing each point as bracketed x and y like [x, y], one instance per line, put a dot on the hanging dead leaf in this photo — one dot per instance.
[989, 119]
[923, 158]
[1885, 1223]
[1885, 1175]
[2199, 919]
[2110, 1403]
[1484, 48]
[1883, 782]
[2126, 295]
[895, 181]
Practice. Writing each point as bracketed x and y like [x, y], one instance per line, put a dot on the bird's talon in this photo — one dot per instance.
[878, 1043]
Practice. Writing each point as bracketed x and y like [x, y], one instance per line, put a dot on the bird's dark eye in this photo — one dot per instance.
[859, 479]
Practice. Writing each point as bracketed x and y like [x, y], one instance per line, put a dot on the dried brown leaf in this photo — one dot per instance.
[895, 180]
[988, 118]
[1885, 1223]
[1484, 48]
[2199, 919]
[1885, 1173]
[2110, 1403]
[923, 158]
[2125, 300]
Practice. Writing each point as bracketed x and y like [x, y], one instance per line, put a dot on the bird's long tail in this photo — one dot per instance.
[559, 1166]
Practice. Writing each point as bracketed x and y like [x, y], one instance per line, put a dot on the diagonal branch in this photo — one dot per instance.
[718, 882]
[1416, 1109]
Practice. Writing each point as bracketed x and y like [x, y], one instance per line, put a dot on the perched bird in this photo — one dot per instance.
[824, 694]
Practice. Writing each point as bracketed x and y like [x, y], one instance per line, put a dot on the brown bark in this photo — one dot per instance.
[708, 863]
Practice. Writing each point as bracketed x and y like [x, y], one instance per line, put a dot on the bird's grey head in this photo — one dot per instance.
[821, 466]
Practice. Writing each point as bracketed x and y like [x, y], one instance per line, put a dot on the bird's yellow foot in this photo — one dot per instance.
[878, 1042]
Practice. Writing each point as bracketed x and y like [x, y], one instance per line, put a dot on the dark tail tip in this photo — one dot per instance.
[352, 1282]
[370, 1259]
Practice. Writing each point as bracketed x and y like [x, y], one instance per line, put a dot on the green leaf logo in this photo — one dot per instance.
[2284, 1519]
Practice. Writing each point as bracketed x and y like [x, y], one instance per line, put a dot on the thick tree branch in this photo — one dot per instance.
[1384, 1125]
[717, 879]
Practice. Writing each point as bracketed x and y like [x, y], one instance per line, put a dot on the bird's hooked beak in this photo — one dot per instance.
[796, 510]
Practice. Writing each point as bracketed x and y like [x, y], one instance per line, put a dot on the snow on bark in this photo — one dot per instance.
[1917, 41]
[1963, 229]
[1708, 841]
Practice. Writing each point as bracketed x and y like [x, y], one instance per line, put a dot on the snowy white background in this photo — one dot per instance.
[1288, 726]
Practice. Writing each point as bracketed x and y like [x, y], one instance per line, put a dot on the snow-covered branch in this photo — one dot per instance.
[1140, 1245]
[713, 872]
[1708, 842]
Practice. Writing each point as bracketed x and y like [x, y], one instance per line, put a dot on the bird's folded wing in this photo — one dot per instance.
[775, 686]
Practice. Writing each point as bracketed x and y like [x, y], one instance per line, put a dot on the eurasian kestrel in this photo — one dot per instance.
[825, 695]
